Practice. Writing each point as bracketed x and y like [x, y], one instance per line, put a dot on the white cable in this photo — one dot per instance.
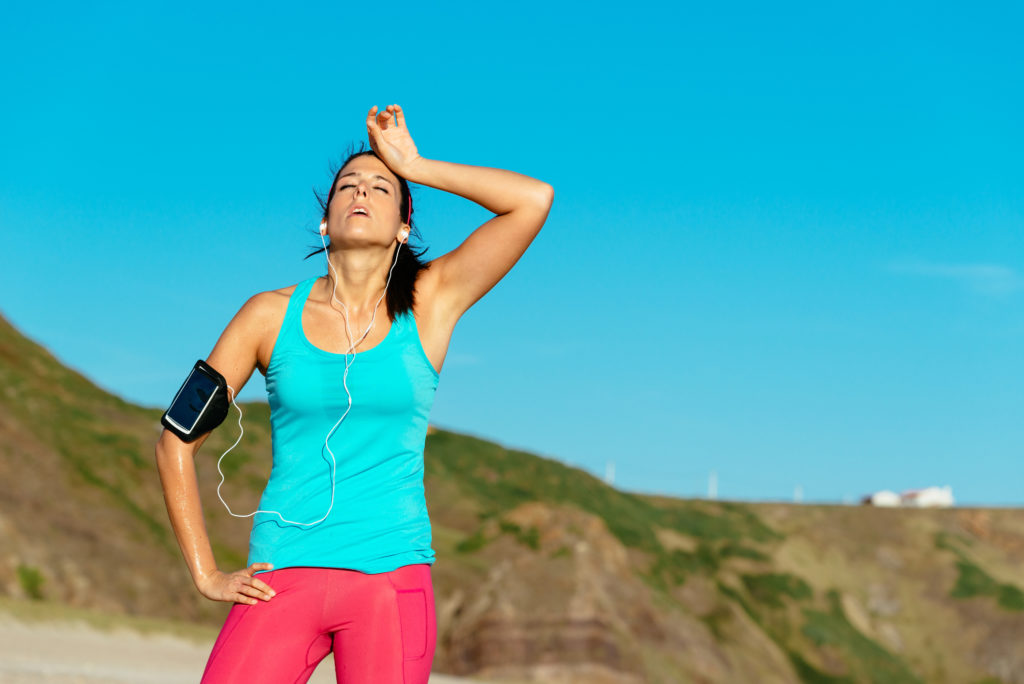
[344, 379]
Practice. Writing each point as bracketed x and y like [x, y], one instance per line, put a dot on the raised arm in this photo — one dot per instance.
[234, 356]
[521, 205]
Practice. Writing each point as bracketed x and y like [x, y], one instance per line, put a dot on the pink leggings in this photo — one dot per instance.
[381, 627]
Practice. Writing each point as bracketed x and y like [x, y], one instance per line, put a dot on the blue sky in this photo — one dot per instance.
[786, 244]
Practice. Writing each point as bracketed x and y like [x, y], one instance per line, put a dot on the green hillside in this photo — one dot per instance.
[543, 571]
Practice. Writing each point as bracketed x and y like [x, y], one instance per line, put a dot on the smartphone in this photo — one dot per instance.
[192, 401]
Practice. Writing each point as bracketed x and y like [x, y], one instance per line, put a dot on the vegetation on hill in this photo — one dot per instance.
[540, 565]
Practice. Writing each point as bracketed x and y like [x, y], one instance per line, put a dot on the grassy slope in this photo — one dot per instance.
[815, 579]
[845, 594]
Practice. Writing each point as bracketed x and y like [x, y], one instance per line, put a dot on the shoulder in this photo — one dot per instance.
[272, 298]
[267, 307]
[260, 319]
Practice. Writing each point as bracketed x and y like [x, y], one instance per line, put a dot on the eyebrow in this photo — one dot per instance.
[353, 173]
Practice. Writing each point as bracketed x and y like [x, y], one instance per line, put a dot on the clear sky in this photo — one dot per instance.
[787, 243]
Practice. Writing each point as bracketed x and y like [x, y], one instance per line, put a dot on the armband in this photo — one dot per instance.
[200, 405]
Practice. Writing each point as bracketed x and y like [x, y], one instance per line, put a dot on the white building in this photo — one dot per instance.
[929, 497]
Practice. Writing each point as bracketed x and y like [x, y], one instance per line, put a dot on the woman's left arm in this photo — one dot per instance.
[521, 205]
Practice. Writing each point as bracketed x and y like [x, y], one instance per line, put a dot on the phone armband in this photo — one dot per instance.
[200, 405]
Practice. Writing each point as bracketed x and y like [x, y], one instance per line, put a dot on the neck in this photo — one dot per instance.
[357, 277]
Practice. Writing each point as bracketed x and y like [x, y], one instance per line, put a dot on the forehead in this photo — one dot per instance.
[370, 167]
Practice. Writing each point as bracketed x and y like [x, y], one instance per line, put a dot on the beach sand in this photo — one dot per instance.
[75, 652]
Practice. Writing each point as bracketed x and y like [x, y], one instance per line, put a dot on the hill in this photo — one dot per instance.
[543, 572]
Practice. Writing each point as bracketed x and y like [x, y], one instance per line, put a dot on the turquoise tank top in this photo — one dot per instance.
[379, 521]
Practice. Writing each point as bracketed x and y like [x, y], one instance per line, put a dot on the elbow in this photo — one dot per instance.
[160, 448]
[163, 445]
[165, 459]
[169, 448]
[546, 194]
[541, 197]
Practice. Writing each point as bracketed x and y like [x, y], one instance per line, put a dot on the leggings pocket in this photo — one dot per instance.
[412, 612]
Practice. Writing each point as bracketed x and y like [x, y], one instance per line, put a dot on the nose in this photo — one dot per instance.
[361, 188]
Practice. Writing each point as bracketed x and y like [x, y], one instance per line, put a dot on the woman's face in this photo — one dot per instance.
[365, 206]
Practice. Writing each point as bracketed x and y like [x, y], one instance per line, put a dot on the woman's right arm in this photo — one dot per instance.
[235, 357]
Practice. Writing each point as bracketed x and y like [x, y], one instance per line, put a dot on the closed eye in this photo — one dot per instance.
[384, 190]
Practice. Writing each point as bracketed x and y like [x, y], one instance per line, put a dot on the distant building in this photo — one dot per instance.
[883, 498]
[929, 497]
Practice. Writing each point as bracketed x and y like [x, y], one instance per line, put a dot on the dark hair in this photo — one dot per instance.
[399, 297]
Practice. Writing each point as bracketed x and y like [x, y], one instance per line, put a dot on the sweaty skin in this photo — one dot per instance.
[360, 253]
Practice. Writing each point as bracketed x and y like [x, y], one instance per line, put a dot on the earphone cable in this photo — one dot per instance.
[348, 364]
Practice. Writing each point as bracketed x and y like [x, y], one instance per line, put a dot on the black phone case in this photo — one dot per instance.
[214, 414]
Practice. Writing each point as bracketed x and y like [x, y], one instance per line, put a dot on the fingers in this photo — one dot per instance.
[258, 589]
[261, 591]
[384, 118]
[246, 586]
[392, 115]
[371, 120]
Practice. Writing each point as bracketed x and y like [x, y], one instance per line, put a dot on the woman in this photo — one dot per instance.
[340, 551]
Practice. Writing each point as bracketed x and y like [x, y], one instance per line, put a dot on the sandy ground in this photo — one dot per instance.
[75, 653]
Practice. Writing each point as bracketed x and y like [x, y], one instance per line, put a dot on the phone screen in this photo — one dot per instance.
[192, 399]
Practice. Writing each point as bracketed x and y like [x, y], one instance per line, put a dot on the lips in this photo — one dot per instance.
[359, 210]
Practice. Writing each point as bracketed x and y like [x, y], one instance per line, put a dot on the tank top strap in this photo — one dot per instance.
[291, 327]
[290, 337]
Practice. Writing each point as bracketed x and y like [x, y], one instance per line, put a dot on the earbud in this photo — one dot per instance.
[323, 227]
